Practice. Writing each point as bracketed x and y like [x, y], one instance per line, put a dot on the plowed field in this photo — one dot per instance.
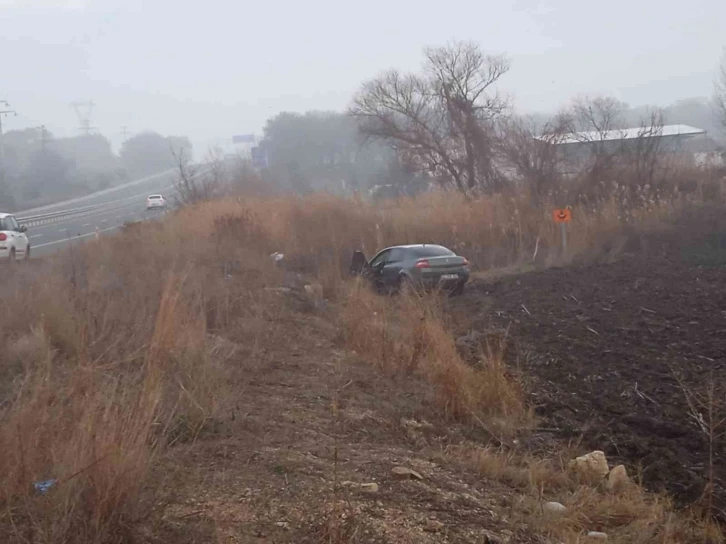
[614, 353]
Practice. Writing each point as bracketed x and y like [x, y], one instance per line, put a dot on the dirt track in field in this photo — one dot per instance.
[609, 349]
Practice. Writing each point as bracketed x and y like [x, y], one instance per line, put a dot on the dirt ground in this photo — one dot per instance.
[609, 350]
[307, 424]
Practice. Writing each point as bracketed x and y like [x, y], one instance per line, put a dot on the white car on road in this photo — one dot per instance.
[14, 242]
[155, 201]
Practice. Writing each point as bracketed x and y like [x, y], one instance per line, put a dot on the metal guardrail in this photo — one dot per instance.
[44, 219]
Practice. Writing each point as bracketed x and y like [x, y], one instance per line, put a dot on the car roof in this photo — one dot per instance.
[4, 215]
[414, 246]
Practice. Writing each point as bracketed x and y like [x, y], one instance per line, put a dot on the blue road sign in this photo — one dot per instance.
[259, 157]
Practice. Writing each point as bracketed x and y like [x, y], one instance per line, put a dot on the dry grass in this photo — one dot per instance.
[108, 359]
[92, 425]
[630, 516]
[406, 336]
[108, 362]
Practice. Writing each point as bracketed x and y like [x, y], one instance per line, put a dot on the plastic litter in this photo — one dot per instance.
[43, 486]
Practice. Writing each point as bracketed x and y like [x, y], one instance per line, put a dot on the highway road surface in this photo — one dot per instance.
[117, 206]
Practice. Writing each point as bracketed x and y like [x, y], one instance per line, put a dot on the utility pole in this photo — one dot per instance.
[6, 111]
[125, 132]
[43, 136]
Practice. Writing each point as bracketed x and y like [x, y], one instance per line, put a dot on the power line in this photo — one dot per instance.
[83, 112]
[125, 132]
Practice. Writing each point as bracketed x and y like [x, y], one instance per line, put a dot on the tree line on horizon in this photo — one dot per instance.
[450, 124]
[40, 168]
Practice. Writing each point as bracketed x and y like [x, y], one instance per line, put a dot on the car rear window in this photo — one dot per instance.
[156, 197]
[430, 251]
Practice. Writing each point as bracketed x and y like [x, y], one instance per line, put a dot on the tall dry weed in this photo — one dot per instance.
[406, 336]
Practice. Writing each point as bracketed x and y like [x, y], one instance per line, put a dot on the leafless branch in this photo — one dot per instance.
[532, 151]
[195, 183]
[443, 120]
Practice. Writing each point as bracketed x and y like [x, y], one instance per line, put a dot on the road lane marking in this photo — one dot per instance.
[104, 192]
[36, 235]
[86, 225]
[62, 230]
[75, 237]
[104, 220]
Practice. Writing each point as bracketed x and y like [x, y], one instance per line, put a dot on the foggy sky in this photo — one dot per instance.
[216, 68]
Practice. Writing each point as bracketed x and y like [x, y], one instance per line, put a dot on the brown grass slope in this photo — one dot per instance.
[175, 393]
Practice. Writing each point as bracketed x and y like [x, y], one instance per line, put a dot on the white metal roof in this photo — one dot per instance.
[629, 134]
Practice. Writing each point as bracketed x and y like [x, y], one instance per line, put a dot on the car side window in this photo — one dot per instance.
[13, 223]
[397, 255]
[380, 258]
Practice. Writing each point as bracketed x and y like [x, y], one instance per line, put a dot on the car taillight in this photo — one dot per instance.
[466, 261]
[423, 263]
[3, 236]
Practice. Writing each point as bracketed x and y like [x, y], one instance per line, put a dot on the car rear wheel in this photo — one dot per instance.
[27, 253]
[12, 257]
[458, 290]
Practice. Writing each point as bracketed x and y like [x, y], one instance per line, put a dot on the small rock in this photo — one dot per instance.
[410, 424]
[618, 479]
[591, 465]
[403, 473]
[281, 290]
[369, 488]
[554, 507]
[366, 488]
[596, 535]
[433, 526]
[314, 289]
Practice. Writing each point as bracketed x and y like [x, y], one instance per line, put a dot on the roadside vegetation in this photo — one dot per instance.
[127, 360]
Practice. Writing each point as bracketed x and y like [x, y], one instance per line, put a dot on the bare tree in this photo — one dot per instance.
[199, 182]
[531, 150]
[597, 119]
[646, 152]
[443, 121]
[592, 139]
[598, 123]
[719, 93]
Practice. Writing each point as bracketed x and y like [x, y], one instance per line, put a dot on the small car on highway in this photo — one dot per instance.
[155, 201]
[14, 243]
[417, 266]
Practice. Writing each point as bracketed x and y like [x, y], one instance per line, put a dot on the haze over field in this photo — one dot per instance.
[408, 271]
[212, 70]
